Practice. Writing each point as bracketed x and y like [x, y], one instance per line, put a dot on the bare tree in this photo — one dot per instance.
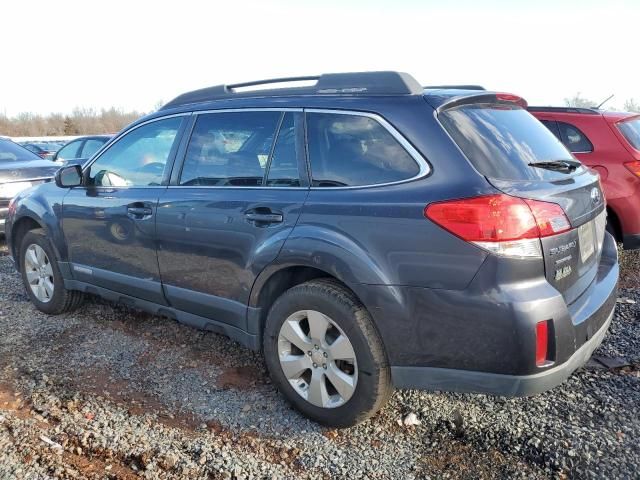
[82, 121]
[632, 105]
[578, 101]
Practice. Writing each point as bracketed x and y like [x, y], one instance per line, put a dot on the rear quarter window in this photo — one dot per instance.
[631, 131]
[347, 150]
[502, 140]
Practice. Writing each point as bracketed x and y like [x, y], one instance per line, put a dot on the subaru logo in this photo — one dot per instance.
[595, 196]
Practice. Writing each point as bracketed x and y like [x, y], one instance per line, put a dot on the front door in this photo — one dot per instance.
[228, 213]
[109, 223]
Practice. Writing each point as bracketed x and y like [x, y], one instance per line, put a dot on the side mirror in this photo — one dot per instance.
[70, 176]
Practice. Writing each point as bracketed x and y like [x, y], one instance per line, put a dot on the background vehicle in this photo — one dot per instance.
[364, 232]
[81, 148]
[19, 170]
[608, 142]
[43, 150]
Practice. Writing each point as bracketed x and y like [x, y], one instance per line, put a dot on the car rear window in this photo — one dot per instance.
[502, 140]
[631, 131]
[12, 152]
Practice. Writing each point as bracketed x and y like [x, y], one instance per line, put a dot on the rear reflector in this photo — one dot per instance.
[542, 340]
[502, 224]
[633, 167]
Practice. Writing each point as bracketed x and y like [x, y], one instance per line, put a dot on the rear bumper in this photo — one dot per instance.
[482, 339]
[451, 380]
[631, 242]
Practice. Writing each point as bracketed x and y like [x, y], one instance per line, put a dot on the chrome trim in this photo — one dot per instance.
[425, 168]
[38, 179]
[249, 109]
[230, 187]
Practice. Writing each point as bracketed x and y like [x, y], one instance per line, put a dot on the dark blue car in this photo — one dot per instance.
[364, 232]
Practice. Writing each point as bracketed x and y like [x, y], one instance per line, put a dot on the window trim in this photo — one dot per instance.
[170, 160]
[423, 165]
[558, 122]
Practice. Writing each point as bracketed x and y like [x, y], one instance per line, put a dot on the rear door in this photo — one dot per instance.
[230, 208]
[504, 142]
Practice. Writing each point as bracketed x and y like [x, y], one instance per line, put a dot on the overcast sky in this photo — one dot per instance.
[61, 54]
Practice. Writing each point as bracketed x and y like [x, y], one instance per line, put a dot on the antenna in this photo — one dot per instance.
[605, 101]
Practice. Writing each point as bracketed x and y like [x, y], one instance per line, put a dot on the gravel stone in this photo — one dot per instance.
[122, 394]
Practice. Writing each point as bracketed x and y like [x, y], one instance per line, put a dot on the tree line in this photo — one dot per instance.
[87, 121]
[82, 121]
[630, 105]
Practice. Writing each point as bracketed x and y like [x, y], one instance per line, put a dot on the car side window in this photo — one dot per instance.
[90, 147]
[283, 168]
[355, 150]
[137, 159]
[574, 139]
[230, 149]
[553, 127]
[69, 151]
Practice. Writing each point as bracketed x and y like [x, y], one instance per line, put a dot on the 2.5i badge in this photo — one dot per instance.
[563, 272]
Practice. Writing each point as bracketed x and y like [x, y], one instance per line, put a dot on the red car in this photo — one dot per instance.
[608, 142]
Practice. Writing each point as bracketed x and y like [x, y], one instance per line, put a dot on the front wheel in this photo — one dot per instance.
[42, 278]
[324, 354]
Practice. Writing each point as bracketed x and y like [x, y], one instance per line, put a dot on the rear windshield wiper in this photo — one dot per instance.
[559, 165]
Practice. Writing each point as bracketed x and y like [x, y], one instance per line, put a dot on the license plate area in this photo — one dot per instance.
[586, 239]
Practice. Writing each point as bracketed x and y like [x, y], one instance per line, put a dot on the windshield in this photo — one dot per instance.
[502, 141]
[12, 152]
[631, 131]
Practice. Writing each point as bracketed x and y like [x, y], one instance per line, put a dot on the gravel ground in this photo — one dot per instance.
[106, 392]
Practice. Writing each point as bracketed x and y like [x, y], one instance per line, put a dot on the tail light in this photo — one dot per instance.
[633, 167]
[502, 224]
[42, 154]
[542, 342]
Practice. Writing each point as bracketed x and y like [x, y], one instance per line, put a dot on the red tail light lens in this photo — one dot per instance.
[633, 167]
[542, 341]
[550, 217]
[498, 218]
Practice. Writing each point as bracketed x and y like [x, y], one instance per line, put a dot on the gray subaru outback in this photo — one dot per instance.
[363, 231]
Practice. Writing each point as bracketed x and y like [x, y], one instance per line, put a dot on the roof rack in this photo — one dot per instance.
[454, 87]
[357, 83]
[588, 111]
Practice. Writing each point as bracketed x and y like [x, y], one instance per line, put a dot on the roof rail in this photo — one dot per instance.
[357, 83]
[454, 87]
[588, 111]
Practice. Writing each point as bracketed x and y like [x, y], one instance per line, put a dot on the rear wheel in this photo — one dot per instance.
[324, 354]
[42, 278]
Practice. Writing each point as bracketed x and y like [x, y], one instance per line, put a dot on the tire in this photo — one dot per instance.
[369, 370]
[60, 300]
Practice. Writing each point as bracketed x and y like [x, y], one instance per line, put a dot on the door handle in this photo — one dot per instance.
[138, 212]
[264, 217]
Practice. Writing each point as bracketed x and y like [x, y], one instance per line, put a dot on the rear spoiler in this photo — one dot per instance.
[480, 97]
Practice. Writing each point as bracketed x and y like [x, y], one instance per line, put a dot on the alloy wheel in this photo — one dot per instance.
[317, 358]
[39, 272]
